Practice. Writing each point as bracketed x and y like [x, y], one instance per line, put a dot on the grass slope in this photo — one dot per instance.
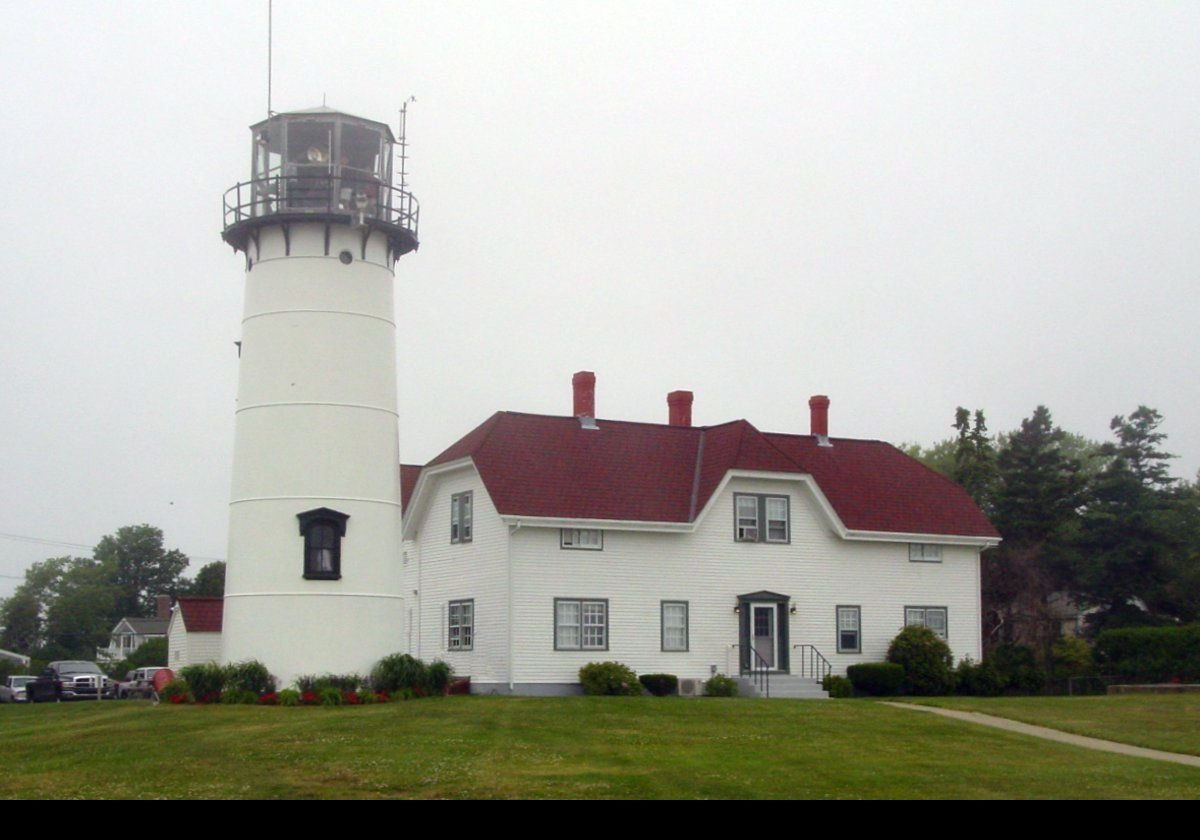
[549, 747]
[1160, 721]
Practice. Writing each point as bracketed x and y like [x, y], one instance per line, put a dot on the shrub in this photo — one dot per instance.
[609, 678]
[838, 687]
[1150, 654]
[269, 699]
[660, 685]
[978, 679]
[400, 671]
[315, 682]
[877, 679]
[251, 676]
[330, 696]
[289, 697]
[1018, 668]
[177, 691]
[205, 681]
[366, 697]
[720, 686]
[926, 659]
[238, 696]
[1071, 657]
[439, 677]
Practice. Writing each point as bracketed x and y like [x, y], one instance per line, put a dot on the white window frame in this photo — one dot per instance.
[461, 510]
[672, 645]
[763, 524]
[582, 539]
[919, 616]
[583, 631]
[460, 624]
[924, 553]
[848, 615]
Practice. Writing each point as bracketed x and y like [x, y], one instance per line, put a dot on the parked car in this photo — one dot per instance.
[71, 680]
[138, 683]
[13, 690]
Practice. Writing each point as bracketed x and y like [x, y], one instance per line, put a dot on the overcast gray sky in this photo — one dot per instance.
[907, 207]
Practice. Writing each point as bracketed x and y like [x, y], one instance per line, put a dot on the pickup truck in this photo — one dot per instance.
[70, 680]
[13, 690]
[138, 683]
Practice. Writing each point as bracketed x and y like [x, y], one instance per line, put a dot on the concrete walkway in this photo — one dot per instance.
[1054, 734]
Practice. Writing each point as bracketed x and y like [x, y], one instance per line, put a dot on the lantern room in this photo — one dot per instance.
[322, 165]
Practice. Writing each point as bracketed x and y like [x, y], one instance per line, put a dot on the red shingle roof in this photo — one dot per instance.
[202, 615]
[535, 465]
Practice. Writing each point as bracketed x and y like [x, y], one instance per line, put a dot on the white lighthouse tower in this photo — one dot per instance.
[313, 574]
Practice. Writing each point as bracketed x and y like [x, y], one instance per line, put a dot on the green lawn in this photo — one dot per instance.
[1160, 721]
[591, 747]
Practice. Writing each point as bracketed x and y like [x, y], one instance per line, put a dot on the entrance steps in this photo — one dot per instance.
[784, 686]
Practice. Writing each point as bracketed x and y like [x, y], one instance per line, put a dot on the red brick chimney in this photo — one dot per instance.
[584, 385]
[162, 605]
[818, 408]
[679, 408]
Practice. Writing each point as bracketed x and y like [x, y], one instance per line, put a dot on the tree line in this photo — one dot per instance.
[1094, 529]
[66, 607]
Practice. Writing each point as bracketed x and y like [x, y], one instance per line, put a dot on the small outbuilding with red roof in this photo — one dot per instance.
[537, 544]
[194, 631]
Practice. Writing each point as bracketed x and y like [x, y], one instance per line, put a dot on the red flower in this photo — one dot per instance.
[309, 698]
[178, 698]
[269, 699]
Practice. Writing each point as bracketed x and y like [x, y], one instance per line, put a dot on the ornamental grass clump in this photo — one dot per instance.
[401, 674]
[206, 681]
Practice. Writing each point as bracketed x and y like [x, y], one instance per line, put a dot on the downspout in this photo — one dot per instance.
[511, 532]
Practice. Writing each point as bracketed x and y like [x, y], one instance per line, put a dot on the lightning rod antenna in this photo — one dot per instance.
[404, 143]
[270, 22]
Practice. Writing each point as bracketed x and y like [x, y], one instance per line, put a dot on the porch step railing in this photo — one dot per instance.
[810, 662]
[760, 672]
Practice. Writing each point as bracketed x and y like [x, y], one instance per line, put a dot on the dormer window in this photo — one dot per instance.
[322, 530]
[460, 517]
[761, 518]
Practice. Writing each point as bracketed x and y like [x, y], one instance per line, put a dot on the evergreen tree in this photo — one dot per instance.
[1039, 487]
[1132, 539]
[975, 458]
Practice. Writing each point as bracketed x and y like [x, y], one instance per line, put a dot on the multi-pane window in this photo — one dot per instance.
[752, 512]
[322, 530]
[932, 617]
[587, 538]
[580, 625]
[747, 518]
[849, 639]
[460, 517]
[924, 553]
[460, 622]
[674, 625]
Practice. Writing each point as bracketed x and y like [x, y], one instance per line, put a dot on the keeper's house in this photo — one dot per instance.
[537, 544]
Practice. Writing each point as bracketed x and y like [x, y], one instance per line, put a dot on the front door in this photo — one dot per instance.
[763, 633]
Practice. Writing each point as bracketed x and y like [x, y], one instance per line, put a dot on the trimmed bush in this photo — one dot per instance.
[609, 678]
[721, 686]
[205, 681]
[877, 679]
[1150, 654]
[926, 659]
[838, 687]
[660, 685]
[978, 679]
[251, 676]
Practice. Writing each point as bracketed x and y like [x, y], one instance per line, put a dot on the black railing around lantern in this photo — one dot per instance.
[344, 198]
